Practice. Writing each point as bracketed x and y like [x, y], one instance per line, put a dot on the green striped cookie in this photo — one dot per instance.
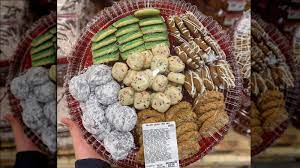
[140, 48]
[155, 37]
[43, 54]
[130, 36]
[44, 61]
[132, 44]
[146, 12]
[41, 39]
[105, 50]
[150, 45]
[126, 21]
[127, 29]
[39, 48]
[107, 58]
[53, 30]
[103, 33]
[108, 40]
[151, 21]
[154, 28]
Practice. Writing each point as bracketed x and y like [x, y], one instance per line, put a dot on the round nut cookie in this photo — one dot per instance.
[182, 106]
[186, 127]
[192, 135]
[187, 149]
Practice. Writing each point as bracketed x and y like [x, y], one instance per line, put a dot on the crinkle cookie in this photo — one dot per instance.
[119, 71]
[37, 75]
[45, 92]
[98, 74]
[119, 144]
[108, 93]
[19, 87]
[79, 88]
[123, 118]
[50, 111]
[49, 137]
[126, 96]
[32, 114]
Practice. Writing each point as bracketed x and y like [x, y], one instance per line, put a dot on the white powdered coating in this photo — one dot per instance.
[79, 88]
[32, 114]
[19, 87]
[125, 120]
[37, 75]
[50, 111]
[119, 144]
[98, 74]
[111, 110]
[49, 137]
[45, 92]
[108, 93]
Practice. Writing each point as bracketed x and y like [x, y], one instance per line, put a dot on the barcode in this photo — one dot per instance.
[171, 164]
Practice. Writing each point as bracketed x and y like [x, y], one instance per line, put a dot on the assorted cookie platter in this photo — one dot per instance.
[271, 79]
[152, 61]
[30, 79]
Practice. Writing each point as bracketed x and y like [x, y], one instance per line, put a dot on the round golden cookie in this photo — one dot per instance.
[148, 120]
[186, 127]
[182, 117]
[182, 106]
[272, 104]
[148, 113]
[140, 155]
[274, 120]
[269, 112]
[206, 116]
[269, 96]
[219, 105]
[207, 131]
[209, 96]
[192, 135]
[187, 149]
[257, 130]
[214, 124]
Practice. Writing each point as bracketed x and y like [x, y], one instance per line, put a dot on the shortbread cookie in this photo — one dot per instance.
[141, 100]
[175, 64]
[148, 58]
[103, 33]
[160, 102]
[119, 71]
[174, 94]
[140, 81]
[178, 78]
[159, 64]
[129, 77]
[160, 83]
[136, 61]
[126, 96]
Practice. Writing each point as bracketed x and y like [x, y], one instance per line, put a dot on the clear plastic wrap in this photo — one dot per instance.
[20, 62]
[81, 58]
[271, 34]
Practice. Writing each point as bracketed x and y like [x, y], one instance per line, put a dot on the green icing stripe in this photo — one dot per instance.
[44, 61]
[131, 44]
[126, 21]
[39, 48]
[140, 48]
[43, 54]
[108, 40]
[127, 29]
[41, 39]
[155, 37]
[130, 36]
[103, 33]
[154, 29]
[107, 58]
[150, 45]
[105, 50]
[146, 12]
[151, 21]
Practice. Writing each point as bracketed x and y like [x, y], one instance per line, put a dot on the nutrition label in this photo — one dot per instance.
[160, 145]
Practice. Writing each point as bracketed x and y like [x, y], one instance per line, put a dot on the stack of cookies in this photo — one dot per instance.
[145, 116]
[271, 104]
[210, 109]
[186, 128]
[153, 27]
[256, 129]
[43, 48]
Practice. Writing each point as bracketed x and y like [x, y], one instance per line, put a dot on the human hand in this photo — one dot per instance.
[23, 143]
[81, 148]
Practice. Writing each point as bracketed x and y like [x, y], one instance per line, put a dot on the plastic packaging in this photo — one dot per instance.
[82, 58]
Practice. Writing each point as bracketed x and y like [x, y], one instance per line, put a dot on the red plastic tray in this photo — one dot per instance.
[81, 58]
